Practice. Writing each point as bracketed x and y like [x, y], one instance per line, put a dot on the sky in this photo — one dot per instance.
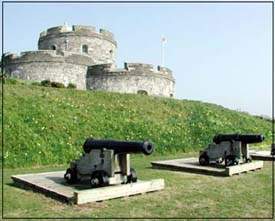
[219, 53]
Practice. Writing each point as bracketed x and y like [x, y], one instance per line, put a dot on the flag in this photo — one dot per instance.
[163, 39]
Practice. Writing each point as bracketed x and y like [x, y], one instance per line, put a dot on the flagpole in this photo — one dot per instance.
[163, 41]
[162, 53]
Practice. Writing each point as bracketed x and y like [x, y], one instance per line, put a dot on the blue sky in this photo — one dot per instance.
[219, 53]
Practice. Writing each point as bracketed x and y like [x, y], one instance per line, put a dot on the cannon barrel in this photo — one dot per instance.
[247, 138]
[144, 147]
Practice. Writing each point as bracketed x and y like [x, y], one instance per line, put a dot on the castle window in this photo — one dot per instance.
[53, 47]
[85, 49]
[171, 95]
[111, 51]
[143, 92]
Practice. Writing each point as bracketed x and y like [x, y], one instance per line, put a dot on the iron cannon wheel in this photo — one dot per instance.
[70, 176]
[230, 161]
[204, 159]
[99, 179]
[132, 178]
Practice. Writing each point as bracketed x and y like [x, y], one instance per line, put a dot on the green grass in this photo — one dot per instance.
[44, 129]
[46, 126]
[185, 195]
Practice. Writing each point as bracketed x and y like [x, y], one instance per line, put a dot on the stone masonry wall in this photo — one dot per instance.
[132, 79]
[101, 45]
[93, 68]
[48, 65]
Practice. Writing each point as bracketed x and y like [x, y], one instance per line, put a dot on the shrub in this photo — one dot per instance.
[57, 85]
[46, 83]
[3, 79]
[143, 92]
[11, 81]
[71, 85]
[36, 83]
[3, 76]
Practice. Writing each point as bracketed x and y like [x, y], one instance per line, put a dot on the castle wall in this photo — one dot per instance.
[48, 65]
[101, 46]
[86, 57]
[134, 78]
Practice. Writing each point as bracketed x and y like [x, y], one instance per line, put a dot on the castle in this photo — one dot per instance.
[85, 57]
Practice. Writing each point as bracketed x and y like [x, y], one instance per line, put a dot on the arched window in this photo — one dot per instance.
[143, 92]
[85, 49]
[111, 51]
[53, 47]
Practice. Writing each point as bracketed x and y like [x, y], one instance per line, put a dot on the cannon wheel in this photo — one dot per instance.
[204, 159]
[230, 161]
[99, 179]
[70, 176]
[132, 178]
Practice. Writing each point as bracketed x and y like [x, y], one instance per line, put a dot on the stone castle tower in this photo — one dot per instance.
[82, 56]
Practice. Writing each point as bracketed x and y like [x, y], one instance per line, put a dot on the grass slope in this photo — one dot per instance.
[48, 126]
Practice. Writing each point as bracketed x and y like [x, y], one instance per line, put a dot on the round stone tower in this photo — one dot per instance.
[99, 46]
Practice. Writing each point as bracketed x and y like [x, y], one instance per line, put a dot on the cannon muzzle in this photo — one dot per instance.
[119, 146]
[247, 138]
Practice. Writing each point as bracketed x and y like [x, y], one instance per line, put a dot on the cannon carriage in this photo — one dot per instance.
[229, 149]
[106, 162]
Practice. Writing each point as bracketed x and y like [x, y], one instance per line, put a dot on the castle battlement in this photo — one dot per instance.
[130, 69]
[47, 56]
[80, 30]
[137, 66]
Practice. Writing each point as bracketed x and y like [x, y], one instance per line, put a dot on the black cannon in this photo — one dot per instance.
[247, 138]
[106, 162]
[232, 149]
[119, 147]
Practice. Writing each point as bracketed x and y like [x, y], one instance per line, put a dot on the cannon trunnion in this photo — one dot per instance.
[106, 162]
[230, 149]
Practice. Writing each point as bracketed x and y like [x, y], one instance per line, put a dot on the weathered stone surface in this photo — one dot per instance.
[47, 65]
[80, 55]
[101, 45]
[133, 79]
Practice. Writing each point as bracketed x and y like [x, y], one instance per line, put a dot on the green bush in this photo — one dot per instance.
[57, 85]
[11, 81]
[46, 83]
[36, 83]
[71, 85]
[3, 77]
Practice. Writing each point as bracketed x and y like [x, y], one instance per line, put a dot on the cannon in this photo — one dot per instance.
[106, 162]
[230, 149]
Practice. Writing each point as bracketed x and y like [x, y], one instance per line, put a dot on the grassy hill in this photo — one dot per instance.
[48, 126]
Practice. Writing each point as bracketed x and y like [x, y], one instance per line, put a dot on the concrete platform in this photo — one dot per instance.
[261, 155]
[192, 165]
[52, 184]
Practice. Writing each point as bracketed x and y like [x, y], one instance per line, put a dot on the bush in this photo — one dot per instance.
[36, 83]
[11, 81]
[143, 92]
[71, 85]
[46, 83]
[57, 85]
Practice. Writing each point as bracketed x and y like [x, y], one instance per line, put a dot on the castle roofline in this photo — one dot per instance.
[47, 56]
[130, 68]
[81, 30]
